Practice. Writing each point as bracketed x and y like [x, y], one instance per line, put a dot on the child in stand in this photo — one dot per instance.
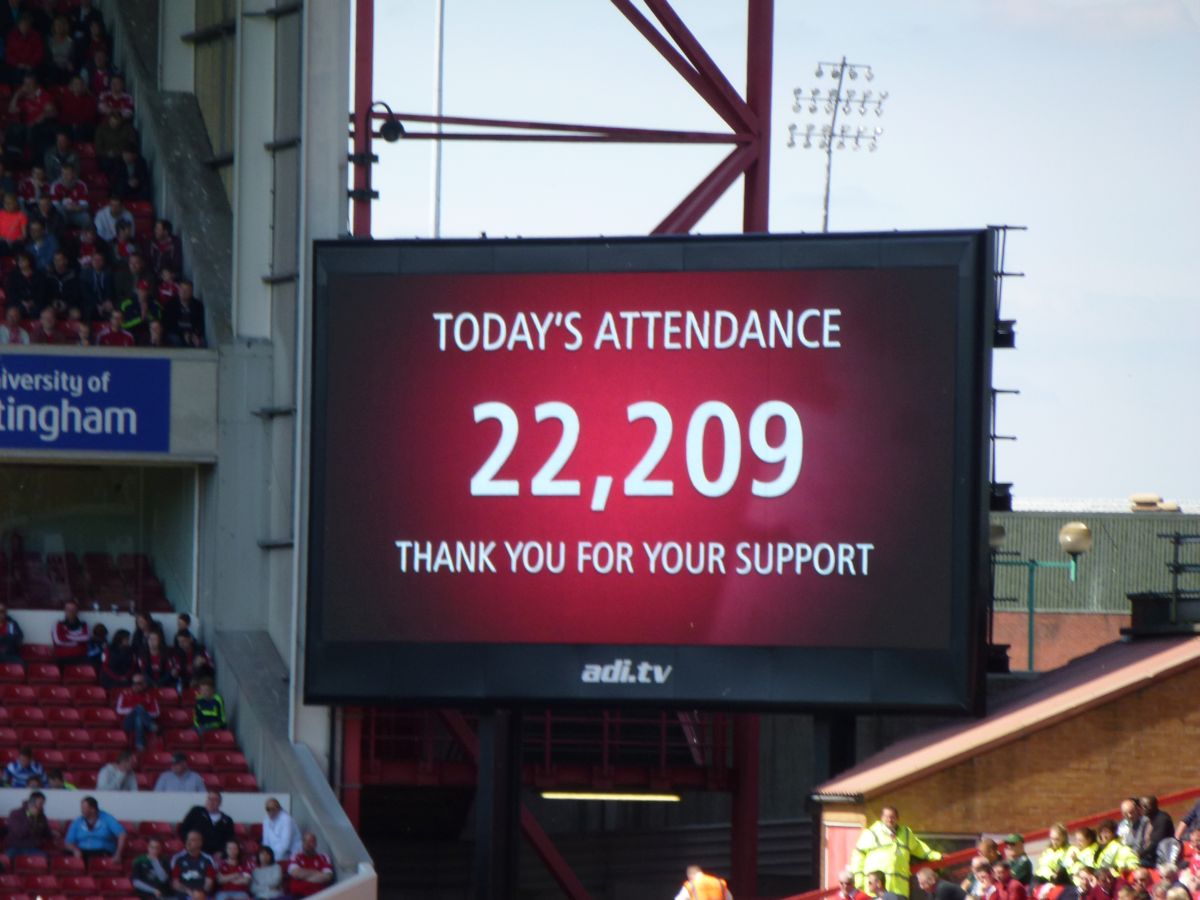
[209, 711]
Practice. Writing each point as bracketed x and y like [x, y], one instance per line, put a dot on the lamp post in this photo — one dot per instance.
[843, 99]
[1075, 539]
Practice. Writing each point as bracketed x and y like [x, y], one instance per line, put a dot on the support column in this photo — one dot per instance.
[497, 806]
[364, 65]
[744, 836]
[352, 728]
[760, 30]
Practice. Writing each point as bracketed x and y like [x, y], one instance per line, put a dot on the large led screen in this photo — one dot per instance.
[735, 470]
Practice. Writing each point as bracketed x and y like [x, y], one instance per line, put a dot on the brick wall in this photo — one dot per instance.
[1138, 743]
[1057, 637]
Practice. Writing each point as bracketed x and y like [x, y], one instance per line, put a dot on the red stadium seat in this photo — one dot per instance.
[103, 865]
[12, 672]
[79, 885]
[85, 759]
[4, 715]
[89, 695]
[112, 738]
[171, 846]
[37, 737]
[41, 884]
[68, 865]
[11, 884]
[156, 829]
[156, 759]
[182, 739]
[37, 653]
[44, 673]
[199, 760]
[175, 718]
[167, 696]
[75, 737]
[28, 715]
[85, 780]
[188, 698]
[100, 717]
[224, 761]
[239, 782]
[52, 758]
[31, 865]
[8, 737]
[144, 781]
[50, 695]
[256, 831]
[18, 694]
[115, 886]
[80, 674]
[212, 781]
[221, 739]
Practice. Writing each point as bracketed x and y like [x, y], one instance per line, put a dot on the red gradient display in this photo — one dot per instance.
[870, 378]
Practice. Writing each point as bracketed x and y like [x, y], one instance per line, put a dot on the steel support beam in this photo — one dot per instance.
[364, 73]
[352, 760]
[760, 27]
[744, 831]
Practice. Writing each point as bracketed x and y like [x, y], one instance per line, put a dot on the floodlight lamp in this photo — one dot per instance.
[996, 535]
[853, 72]
[841, 145]
[870, 74]
[874, 145]
[828, 107]
[808, 145]
[850, 94]
[812, 107]
[820, 72]
[791, 142]
[835, 73]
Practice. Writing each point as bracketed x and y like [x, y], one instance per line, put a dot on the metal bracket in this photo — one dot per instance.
[275, 543]
[271, 412]
[362, 194]
[362, 159]
[281, 278]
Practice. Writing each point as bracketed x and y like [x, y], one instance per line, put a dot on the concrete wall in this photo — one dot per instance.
[1080, 765]
[144, 806]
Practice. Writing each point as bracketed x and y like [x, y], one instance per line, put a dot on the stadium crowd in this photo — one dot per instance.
[82, 260]
[1143, 855]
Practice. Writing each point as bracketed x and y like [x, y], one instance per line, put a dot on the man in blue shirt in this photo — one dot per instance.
[95, 833]
[18, 772]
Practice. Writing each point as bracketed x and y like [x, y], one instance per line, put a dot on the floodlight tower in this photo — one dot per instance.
[838, 99]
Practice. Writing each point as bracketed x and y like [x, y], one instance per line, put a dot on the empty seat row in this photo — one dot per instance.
[171, 739]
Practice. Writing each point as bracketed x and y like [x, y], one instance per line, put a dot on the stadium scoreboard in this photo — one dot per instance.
[737, 470]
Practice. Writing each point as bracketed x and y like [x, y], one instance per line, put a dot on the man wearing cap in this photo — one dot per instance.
[179, 777]
[1018, 860]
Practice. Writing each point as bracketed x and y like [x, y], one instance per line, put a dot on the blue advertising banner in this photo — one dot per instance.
[101, 403]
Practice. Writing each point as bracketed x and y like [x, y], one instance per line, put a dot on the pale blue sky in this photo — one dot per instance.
[1077, 118]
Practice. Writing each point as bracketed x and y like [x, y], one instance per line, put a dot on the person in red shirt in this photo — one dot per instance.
[34, 187]
[13, 223]
[168, 288]
[100, 72]
[164, 249]
[114, 333]
[157, 662]
[70, 195]
[77, 110]
[1103, 884]
[115, 99]
[24, 49]
[139, 711]
[36, 118]
[234, 873]
[70, 635]
[308, 871]
[46, 330]
[1007, 887]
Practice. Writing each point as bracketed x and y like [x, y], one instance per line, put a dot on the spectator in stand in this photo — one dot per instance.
[143, 624]
[267, 878]
[97, 288]
[139, 711]
[192, 868]
[77, 110]
[1161, 828]
[280, 832]
[46, 331]
[89, 245]
[62, 285]
[1127, 892]
[1006, 886]
[34, 118]
[1191, 853]
[11, 635]
[95, 833]
[71, 197]
[987, 853]
[234, 874]
[26, 286]
[164, 248]
[82, 14]
[82, 335]
[1134, 828]
[168, 287]
[888, 846]
[11, 332]
[184, 318]
[114, 333]
[139, 311]
[1051, 864]
[7, 184]
[209, 711]
[1168, 874]
[33, 188]
[28, 830]
[179, 778]
[214, 827]
[846, 889]
[124, 246]
[112, 136]
[978, 882]
[119, 775]
[40, 246]
[133, 276]
[132, 179]
[308, 871]
[95, 51]
[151, 873]
[1019, 862]
[20, 770]
[876, 887]
[13, 222]
[192, 661]
[51, 219]
[116, 99]
[1081, 858]
[1113, 854]
[156, 662]
[57, 781]
[1143, 882]
[183, 625]
[60, 52]
[1103, 884]
[70, 635]
[119, 665]
[97, 645]
[60, 155]
[936, 888]
[24, 50]
[108, 217]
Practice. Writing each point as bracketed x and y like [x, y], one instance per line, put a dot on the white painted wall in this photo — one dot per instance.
[144, 806]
